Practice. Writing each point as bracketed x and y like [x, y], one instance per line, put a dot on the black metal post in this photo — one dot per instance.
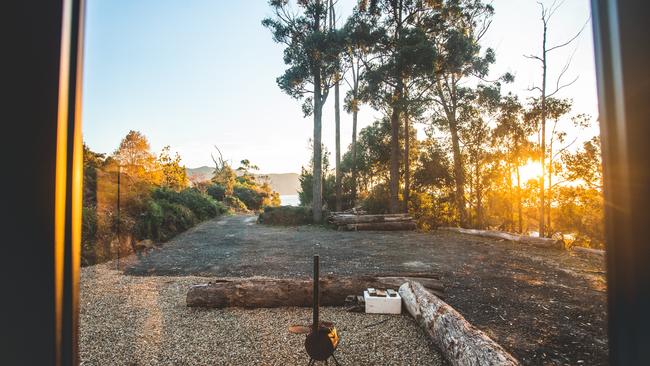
[316, 303]
[119, 242]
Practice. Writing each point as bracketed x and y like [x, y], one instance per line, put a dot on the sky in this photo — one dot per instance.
[194, 74]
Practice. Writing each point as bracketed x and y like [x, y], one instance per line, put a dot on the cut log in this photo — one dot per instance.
[460, 342]
[381, 226]
[354, 219]
[523, 239]
[583, 250]
[272, 292]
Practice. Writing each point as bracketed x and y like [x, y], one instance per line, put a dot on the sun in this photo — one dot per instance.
[532, 170]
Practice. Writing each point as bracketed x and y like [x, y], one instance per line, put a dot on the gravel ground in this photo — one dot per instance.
[544, 306]
[134, 320]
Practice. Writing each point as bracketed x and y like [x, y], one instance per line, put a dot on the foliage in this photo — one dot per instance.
[174, 175]
[579, 214]
[286, 215]
[312, 55]
[216, 191]
[153, 201]
[235, 204]
[135, 158]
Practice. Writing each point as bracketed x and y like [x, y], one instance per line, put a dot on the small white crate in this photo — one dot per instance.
[383, 305]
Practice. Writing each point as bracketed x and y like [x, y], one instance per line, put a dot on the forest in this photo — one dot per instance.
[134, 198]
[422, 65]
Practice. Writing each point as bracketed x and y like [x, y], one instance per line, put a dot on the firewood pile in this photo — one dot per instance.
[353, 221]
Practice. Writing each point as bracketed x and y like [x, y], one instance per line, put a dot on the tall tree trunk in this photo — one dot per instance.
[354, 155]
[394, 157]
[337, 120]
[459, 175]
[519, 209]
[542, 197]
[407, 170]
[317, 204]
[394, 122]
[479, 208]
[511, 211]
[549, 193]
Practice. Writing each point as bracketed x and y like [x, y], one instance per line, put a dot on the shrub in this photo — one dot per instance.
[203, 206]
[217, 192]
[252, 198]
[176, 218]
[149, 225]
[235, 203]
[286, 215]
[378, 200]
[88, 235]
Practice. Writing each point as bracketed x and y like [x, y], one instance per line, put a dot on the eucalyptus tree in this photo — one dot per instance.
[358, 40]
[337, 111]
[511, 134]
[456, 37]
[546, 92]
[401, 52]
[312, 51]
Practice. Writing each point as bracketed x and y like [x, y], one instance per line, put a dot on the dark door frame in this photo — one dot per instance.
[40, 251]
[621, 30]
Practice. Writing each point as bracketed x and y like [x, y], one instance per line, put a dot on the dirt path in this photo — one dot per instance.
[546, 307]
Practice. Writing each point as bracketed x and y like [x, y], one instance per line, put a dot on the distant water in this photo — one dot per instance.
[289, 200]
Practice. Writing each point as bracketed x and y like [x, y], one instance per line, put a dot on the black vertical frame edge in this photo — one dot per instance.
[622, 56]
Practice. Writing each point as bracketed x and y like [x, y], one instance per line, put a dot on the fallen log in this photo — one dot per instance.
[460, 342]
[583, 250]
[359, 219]
[380, 226]
[273, 292]
[523, 239]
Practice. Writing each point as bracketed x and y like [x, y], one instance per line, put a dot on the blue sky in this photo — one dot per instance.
[196, 73]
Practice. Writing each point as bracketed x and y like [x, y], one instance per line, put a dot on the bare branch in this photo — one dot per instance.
[534, 57]
[562, 87]
[565, 147]
[571, 39]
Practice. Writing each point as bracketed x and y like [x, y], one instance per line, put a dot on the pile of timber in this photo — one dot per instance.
[262, 292]
[523, 239]
[386, 222]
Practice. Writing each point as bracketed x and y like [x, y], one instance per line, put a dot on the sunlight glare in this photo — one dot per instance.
[532, 170]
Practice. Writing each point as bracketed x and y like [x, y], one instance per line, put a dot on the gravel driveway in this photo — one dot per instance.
[126, 320]
[544, 306]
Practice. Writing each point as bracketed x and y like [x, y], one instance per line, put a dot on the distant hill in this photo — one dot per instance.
[283, 183]
[201, 173]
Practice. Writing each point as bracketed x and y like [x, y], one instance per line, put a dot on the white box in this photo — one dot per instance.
[383, 305]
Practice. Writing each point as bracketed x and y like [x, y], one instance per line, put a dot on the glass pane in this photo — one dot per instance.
[450, 144]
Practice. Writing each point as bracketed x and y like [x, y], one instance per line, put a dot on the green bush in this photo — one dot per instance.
[168, 213]
[149, 226]
[88, 235]
[250, 197]
[378, 200]
[235, 203]
[217, 192]
[203, 206]
[175, 219]
[286, 215]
